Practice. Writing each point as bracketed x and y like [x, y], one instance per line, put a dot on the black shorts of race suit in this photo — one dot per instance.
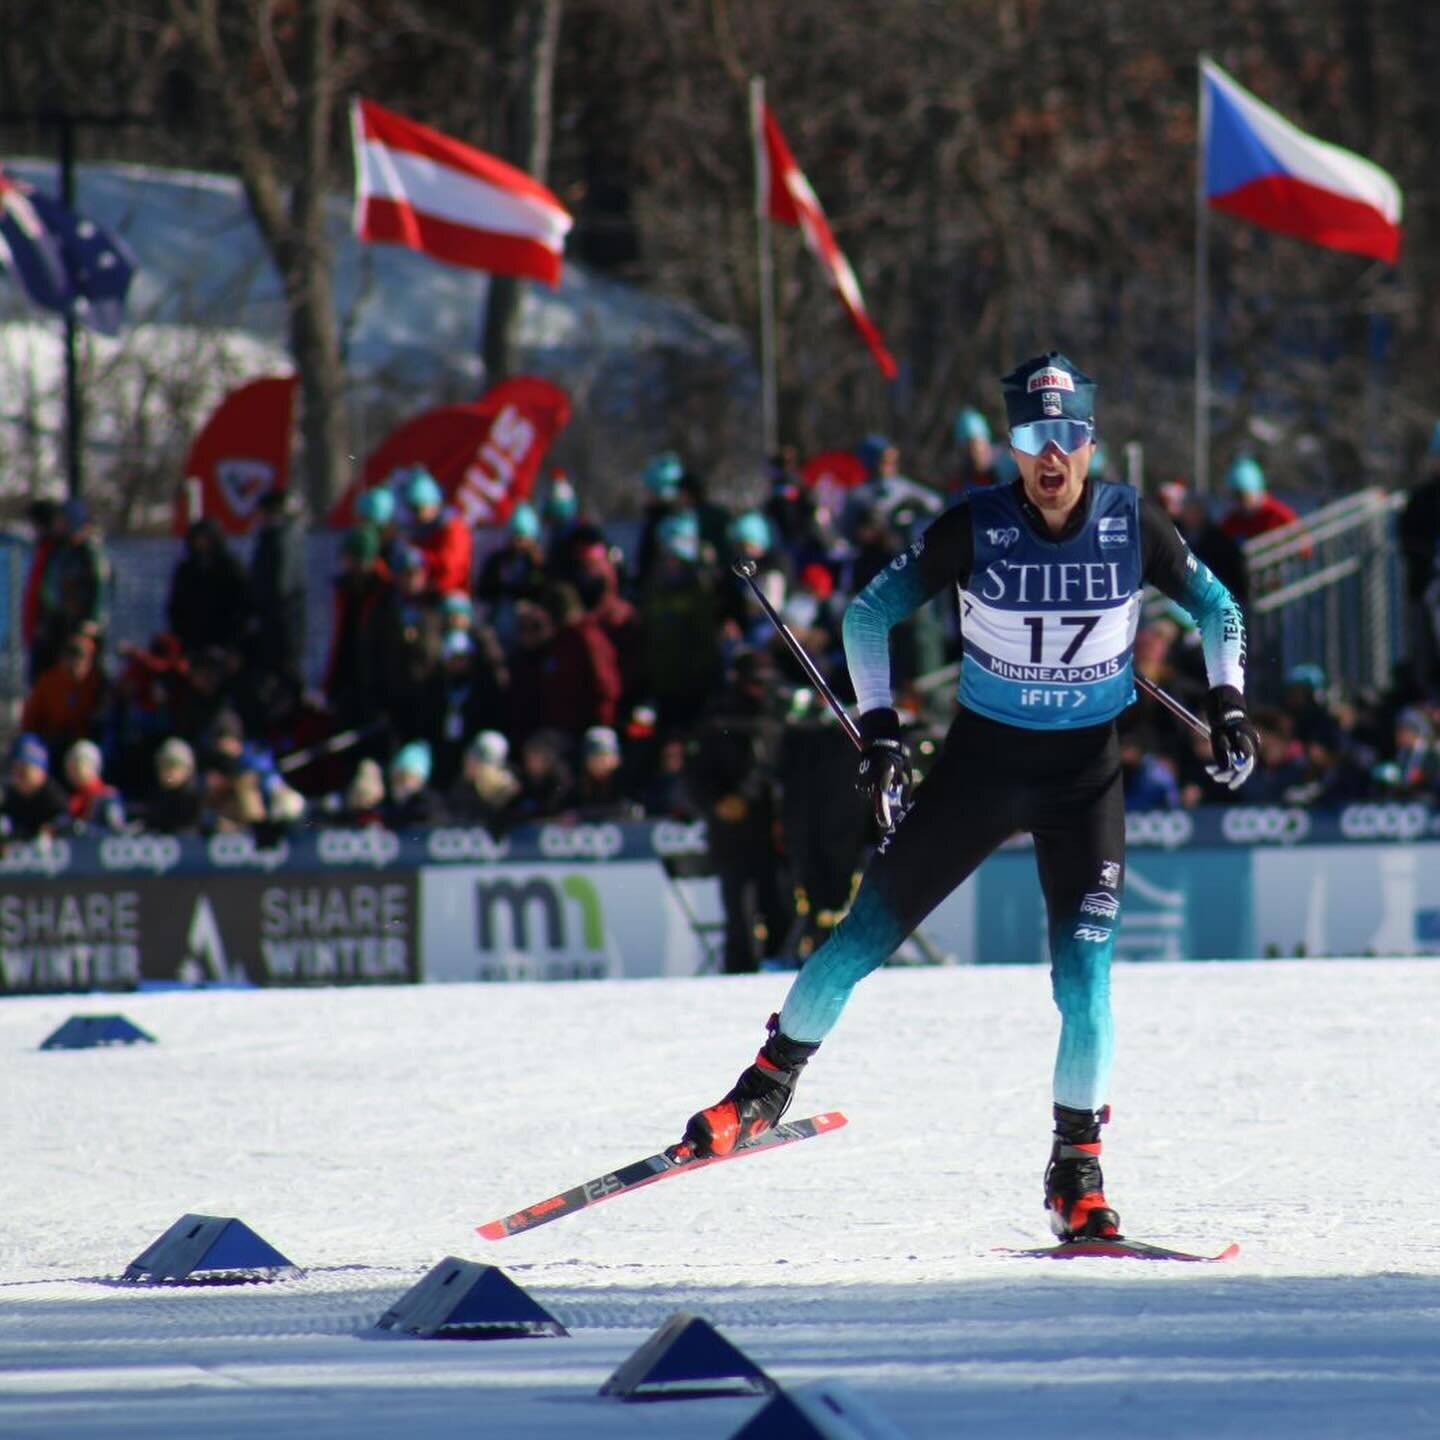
[993, 781]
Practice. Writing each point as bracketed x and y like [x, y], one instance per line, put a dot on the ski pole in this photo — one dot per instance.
[746, 569]
[298, 759]
[1172, 705]
[893, 804]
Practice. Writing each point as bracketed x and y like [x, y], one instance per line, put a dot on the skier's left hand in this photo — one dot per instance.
[1233, 739]
[884, 766]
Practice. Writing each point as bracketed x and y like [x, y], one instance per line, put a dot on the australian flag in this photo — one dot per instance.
[64, 261]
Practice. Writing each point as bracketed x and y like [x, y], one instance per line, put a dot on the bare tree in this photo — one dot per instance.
[273, 76]
[531, 30]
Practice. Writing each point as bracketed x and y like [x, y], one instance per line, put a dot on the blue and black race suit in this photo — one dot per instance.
[1048, 625]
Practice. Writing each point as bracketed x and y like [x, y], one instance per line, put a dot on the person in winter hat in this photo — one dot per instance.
[1050, 574]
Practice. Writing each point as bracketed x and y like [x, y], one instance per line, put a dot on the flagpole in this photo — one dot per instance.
[1201, 478]
[769, 409]
[74, 400]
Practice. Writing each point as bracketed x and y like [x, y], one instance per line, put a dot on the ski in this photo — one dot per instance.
[646, 1172]
[1115, 1248]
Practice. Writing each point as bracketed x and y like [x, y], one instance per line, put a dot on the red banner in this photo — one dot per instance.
[832, 473]
[483, 455]
[241, 452]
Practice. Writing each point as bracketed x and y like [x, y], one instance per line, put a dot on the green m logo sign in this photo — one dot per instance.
[567, 913]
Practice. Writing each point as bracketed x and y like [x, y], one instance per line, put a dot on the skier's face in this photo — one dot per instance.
[1053, 480]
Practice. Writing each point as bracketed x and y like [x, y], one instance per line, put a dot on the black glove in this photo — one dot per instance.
[1233, 739]
[884, 766]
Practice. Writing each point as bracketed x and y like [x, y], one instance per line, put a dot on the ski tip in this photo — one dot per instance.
[830, 1120]
[1229, 1252]
[495, 1230]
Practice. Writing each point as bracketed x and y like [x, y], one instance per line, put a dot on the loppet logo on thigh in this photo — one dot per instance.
[1101, 904]
[1264, 825]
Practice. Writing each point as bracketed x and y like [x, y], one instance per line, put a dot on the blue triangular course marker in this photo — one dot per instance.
[84, 1032]
[463, 1300]
[827, 1410]
[687, 1358]
[209, 1250]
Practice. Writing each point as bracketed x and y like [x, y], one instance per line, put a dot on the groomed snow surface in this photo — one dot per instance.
[1289, 1106]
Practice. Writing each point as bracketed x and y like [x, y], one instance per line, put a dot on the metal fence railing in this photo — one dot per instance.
[1328, 591]
[140, 571]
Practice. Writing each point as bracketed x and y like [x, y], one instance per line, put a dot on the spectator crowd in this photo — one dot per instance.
[556, 677]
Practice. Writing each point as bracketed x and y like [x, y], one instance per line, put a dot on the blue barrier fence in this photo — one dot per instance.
[325, 907]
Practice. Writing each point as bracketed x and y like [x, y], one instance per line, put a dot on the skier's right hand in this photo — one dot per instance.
[1234, 740]
[884, 771]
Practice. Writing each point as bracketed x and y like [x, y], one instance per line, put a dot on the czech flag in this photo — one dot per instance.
[427, 191]
[1262, 168]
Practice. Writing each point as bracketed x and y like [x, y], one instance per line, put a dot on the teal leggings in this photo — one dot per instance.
[991, 782]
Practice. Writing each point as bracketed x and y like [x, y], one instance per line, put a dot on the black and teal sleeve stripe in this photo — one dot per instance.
[940, 557]
[1173, 569]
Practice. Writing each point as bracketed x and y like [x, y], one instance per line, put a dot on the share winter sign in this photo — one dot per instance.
[241, 453]
[483, 455]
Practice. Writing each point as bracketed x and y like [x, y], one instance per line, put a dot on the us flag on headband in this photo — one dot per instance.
[786, 197]
[430, 192]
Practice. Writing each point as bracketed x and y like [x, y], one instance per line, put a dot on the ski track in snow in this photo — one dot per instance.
[366, 1132]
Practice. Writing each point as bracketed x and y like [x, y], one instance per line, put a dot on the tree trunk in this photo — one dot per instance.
[295, 237]
[314, 341]
[526, 143]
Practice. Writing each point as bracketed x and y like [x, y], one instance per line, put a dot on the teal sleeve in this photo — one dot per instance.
[1173, 568]
[894, 594]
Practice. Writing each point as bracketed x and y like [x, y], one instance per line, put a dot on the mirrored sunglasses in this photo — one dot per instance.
[1066, 435]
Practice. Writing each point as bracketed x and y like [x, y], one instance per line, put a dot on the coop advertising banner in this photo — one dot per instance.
[553, 922]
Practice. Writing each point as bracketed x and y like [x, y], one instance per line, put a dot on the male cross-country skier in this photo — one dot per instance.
[1049, 571]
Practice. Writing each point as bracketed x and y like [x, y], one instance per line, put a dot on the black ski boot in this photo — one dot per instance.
[756, 1102]
[1074, 1186]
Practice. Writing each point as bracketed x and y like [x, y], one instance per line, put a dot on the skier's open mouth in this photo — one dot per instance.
[1051, 483]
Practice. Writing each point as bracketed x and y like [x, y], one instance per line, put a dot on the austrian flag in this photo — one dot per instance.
[430, 192]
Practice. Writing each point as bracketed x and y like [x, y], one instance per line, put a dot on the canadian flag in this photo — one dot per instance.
[430, 192]
[786, 197]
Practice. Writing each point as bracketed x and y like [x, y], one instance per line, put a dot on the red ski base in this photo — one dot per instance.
[1116, 1248]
